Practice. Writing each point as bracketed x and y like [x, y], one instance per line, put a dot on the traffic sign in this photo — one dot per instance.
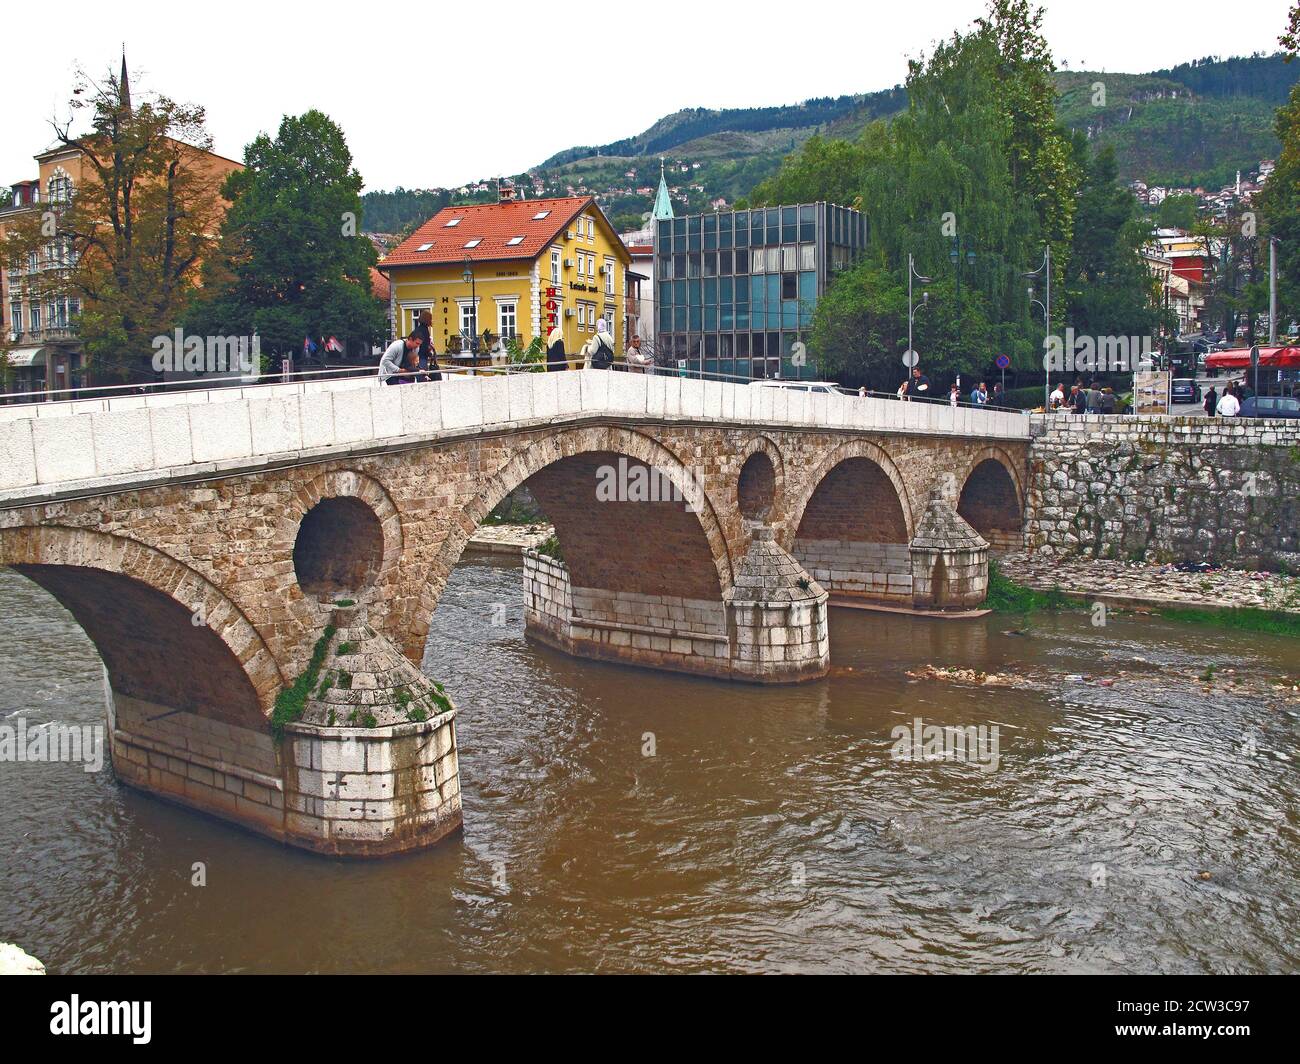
[1002, 362]
[910, 358]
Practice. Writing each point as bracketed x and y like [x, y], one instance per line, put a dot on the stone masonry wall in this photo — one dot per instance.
[1165, 489]
[683, 635]
[879, 570]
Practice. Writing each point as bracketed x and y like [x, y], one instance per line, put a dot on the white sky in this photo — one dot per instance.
[435, 95]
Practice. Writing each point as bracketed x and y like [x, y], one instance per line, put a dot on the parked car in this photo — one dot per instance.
[1270, 406]
[797, 386]
[1184, 390]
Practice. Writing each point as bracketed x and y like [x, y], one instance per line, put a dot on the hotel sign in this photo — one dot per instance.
[553, 301]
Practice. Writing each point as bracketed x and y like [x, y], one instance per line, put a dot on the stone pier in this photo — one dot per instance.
[770, 628]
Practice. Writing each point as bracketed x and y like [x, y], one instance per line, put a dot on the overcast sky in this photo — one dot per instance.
[434, 95]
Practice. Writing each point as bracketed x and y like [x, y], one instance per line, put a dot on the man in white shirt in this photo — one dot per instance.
[394, 356]
[1228, 405]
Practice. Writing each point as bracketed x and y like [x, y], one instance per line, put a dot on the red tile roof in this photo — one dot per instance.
[492, 224]
[378, 285]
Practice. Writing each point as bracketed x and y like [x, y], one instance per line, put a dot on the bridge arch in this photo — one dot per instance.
[555, 468]
[991, 498]
[853, 524]
[165, 633]
[856, 449]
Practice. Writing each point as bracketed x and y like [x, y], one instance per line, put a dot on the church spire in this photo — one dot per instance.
[124, 85]
[663, 207]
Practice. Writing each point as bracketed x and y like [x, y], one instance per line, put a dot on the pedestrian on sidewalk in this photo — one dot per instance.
[1211, 401]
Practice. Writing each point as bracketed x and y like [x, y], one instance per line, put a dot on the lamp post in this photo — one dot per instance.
[1046, 270]
[911, 311]
[955, 257]
[467, 275]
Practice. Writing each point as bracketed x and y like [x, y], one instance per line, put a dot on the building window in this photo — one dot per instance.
[514, 240]
[473, 243]
[34, 317]
[582, 316]
[468, 317]
[540, 215]
[413, 318]
[450, 222]
[507, 319]
[609, 277]
[555, 263]
[591, 266]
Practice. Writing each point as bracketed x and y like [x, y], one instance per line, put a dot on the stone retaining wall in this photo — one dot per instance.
[1165, 489]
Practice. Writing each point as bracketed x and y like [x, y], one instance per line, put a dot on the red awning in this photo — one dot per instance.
[1239, 358]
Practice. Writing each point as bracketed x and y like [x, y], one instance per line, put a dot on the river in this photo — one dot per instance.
[625, 820]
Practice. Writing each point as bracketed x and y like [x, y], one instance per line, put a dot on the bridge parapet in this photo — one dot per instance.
[49, 451]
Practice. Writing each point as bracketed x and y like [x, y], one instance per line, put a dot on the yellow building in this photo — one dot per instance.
[533, 265]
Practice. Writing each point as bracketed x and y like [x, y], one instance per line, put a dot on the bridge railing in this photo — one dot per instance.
[141, 439]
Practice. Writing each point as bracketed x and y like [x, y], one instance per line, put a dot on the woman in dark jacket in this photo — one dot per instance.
[428, 356]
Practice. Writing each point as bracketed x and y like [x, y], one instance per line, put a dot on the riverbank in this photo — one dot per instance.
[508, 539]
[1136, 584]
[1267, 603]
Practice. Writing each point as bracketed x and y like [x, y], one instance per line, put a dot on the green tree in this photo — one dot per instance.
[293, 260]
[129, 239]
[1178, 212]
[822, 169]
[1107, 287]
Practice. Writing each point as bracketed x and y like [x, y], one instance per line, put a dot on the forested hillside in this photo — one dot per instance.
[1194, 124]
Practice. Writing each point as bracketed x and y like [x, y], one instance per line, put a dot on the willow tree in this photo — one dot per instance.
[129, 238]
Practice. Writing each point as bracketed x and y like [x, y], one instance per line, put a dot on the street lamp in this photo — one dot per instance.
[1046, 270]
[467, 275]
[955, 257]
[911, 311]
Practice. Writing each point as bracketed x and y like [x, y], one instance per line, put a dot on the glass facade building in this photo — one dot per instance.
[735, 290]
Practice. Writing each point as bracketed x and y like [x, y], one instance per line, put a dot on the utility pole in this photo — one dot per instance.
[1272, 291]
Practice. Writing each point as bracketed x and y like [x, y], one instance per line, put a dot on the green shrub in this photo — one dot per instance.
[550, 548]
[292, 700]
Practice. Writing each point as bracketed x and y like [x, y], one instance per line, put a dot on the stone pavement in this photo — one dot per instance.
[1153, 585]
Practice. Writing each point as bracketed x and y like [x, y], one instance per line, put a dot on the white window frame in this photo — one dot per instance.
[507, 305]
[609, 276]
[470, 305]
[556, 257]
[582, 316]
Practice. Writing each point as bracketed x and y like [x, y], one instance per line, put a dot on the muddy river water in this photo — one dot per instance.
[1134, 818]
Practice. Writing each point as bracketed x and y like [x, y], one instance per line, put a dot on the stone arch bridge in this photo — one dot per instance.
[205, 541]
